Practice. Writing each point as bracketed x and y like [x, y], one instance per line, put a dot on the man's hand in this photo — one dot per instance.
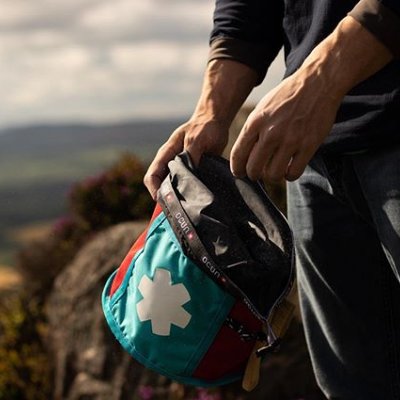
[290, 123]
[196, 138]
[225, 87]
[284, 130]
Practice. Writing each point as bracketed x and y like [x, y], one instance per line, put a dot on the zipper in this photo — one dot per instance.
[272, 343]
[290, 281]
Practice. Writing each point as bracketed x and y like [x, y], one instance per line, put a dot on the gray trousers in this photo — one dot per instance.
[345, 215]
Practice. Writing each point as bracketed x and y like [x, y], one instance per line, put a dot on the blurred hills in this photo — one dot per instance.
[38, 165]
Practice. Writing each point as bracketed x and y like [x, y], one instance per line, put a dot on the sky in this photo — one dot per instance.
[104, 61]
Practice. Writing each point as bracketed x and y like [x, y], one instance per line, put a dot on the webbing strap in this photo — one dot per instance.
[281, 317]
[279, 322]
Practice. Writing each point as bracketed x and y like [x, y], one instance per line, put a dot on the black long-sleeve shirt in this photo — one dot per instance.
[253, 32]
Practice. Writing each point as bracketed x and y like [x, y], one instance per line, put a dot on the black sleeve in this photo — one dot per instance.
[247, 31]
[382, 19]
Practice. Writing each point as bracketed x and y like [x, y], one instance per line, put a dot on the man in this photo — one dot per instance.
[331, 128]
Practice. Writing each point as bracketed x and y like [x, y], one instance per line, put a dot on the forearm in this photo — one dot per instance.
[226, 86]
[345, 58]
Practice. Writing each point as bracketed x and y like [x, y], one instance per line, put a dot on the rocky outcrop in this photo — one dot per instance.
[89, 363]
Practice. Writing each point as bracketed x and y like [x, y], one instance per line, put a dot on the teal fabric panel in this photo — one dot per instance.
[167, 311]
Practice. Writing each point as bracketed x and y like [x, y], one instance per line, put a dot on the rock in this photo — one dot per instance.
[88, 362]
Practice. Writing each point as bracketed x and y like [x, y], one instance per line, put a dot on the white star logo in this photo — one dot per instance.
[219, 247]
[162, 302]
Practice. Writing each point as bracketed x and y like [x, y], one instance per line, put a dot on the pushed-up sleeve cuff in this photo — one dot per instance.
[254, 55]
[381, 21]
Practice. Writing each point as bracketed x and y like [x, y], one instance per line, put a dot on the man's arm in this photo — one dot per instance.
[250, 32]
[246, 37]
[226, 85]
[290, 122]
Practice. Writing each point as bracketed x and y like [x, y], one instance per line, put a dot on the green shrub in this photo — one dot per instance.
[114, 196]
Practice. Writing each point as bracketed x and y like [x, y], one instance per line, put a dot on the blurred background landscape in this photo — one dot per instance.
[90, 90]
[40, 163]
[81, 82]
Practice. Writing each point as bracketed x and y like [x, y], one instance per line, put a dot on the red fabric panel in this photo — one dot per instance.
[228, 354]
[138, 245]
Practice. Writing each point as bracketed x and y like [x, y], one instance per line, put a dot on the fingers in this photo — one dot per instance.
[210, 137]
[269, 154]
[276, 170]
[298, 163]
[196, 139]
[270, 163]
[153, 183]
[258, 153]
[242, 149]
[259, 158]
[158, 169]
